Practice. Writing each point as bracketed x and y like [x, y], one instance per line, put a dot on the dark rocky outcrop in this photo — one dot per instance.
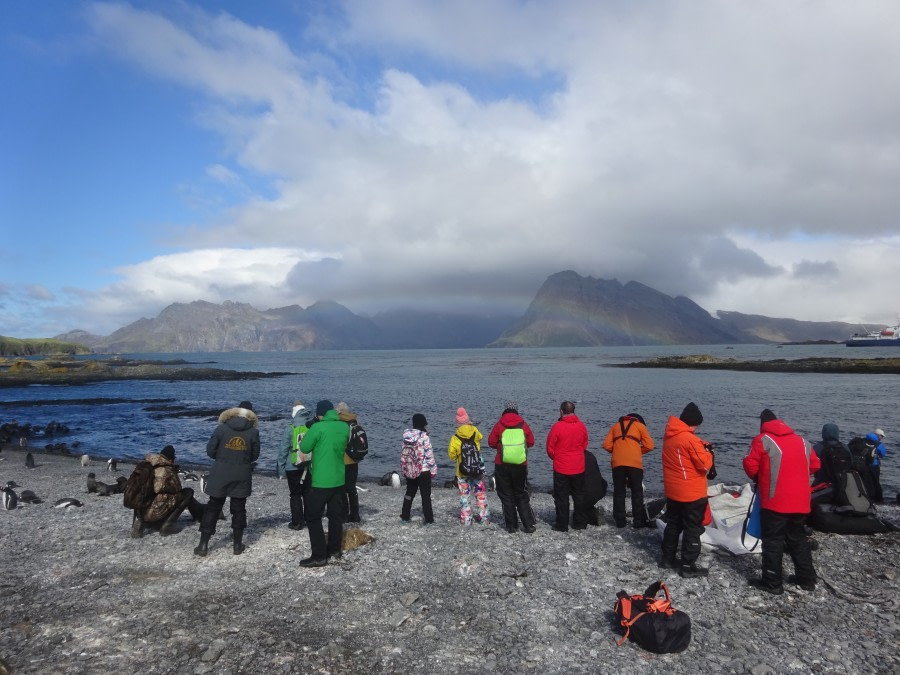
[571, 310]
[889, 366]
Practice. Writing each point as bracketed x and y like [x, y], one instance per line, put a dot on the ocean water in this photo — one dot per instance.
[385, 388]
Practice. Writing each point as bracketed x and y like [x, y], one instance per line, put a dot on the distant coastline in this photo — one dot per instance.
[880, 366]
[67, 371]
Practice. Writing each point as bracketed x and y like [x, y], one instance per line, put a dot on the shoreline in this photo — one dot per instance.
[80, 596]
[874, 366]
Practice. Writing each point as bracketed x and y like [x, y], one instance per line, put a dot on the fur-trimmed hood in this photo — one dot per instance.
[158, 460]
[239, 418]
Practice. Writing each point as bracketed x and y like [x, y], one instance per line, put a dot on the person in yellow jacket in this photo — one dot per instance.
[627, 442]
[469, 478]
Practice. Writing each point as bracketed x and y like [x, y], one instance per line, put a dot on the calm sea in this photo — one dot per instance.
[385, 388]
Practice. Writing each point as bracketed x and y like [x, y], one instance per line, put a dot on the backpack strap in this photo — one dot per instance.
[626, 428]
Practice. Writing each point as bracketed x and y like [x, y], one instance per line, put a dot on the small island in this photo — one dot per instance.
[21, 372]
[880, 366]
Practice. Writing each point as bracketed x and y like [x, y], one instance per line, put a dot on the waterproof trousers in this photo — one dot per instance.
[632, 478]
[325, 502]
[783, 532]
[512, 488]
[565, 486]
[684, 519]
[421, 484]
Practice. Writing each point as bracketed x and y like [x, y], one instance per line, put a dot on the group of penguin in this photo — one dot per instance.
[10, 500]
[392, 479]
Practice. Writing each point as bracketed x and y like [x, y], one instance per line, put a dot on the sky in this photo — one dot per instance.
[445, 154]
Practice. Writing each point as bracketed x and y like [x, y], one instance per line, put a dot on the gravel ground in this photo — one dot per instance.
[78, 595]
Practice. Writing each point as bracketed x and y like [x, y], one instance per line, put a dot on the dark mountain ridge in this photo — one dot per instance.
[568, 310]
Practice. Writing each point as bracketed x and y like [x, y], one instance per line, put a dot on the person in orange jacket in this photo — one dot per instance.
[627, 442]
[686, 460]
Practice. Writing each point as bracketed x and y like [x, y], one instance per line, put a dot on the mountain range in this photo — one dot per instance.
[568, 310]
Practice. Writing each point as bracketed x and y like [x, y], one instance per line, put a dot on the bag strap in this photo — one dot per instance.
[747, 520]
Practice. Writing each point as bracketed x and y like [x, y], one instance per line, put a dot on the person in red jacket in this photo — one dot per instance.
[781, 463]
[686, 460]
[627, 442]
[566, 443]
[511, 437]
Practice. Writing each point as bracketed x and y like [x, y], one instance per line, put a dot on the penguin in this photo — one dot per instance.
[392, 479]
[361, 489]
[187, 476]
[29, 497]
[10, 499]
[85, 460]
[12, 484]
[111, 465]
[91, 482]
[491, 484]
[29, 460]
[203, 481]
[105, 490]
[66, 502]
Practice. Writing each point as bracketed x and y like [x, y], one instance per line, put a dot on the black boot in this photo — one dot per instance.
[137, 526]
[238, 542]
[203, 547]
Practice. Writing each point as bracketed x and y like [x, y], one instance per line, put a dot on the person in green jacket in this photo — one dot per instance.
[326, 441]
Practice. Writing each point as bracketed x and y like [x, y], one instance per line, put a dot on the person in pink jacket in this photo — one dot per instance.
[566, 443]
[781, 463]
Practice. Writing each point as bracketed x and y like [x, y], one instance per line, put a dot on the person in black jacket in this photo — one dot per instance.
[234, 446]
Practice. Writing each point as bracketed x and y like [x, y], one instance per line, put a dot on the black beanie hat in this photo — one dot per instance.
[691, 415]
[246, 405]
[323, 407]
[168, 452]
[767, 416]
[419, 422]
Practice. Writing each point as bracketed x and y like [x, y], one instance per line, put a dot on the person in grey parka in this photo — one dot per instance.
[234, 447]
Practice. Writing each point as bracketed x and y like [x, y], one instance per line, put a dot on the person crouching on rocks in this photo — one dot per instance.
[686, 460]
[465, 450]
[234, 447]
[781, 462]
[169, 498]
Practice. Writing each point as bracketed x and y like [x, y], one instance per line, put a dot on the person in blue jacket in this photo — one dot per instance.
[877, 437]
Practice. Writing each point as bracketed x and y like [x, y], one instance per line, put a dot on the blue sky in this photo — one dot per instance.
[392, 153]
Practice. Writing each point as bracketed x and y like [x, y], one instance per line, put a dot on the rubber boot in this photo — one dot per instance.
[203, 547]
[238, 542]
[137, 527]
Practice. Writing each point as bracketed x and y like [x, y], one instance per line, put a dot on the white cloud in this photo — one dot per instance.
[718, 150]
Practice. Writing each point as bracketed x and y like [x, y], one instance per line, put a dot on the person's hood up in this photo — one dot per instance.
[413, 435]
[299, 420]
[831, 432]
[239, 419]
[511, 419]
[775, 428]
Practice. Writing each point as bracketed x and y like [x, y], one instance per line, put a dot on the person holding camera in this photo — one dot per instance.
[687, 460]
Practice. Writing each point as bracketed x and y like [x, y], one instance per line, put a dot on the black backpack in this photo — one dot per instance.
[358, 444]
[139, 492]
[862, 454]
[470, 462]
[652, 622]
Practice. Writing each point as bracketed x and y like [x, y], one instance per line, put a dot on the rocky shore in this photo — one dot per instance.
[78, 595]
[59, 371]
[878, 365]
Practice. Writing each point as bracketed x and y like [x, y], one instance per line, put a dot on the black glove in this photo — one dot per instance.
[712, 473]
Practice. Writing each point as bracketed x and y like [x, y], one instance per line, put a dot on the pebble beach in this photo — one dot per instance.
[79, 595]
